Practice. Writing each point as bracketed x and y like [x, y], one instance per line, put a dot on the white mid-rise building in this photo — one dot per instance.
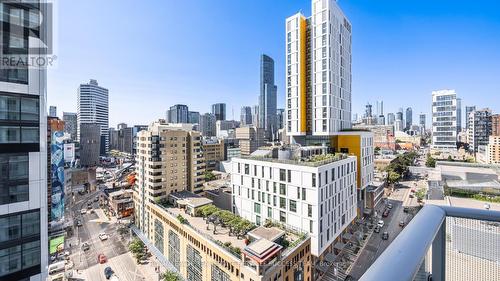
[446, 124]
[317, 197]
[93, 108]
[318, 65]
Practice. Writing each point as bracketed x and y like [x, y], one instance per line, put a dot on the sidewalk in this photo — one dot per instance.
[148, 270]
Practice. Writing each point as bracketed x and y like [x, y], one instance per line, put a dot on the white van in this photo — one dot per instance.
[56, 267]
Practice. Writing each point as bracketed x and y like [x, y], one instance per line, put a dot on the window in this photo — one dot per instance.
[311, 226]
[282, 175]
[247, 169]
[194, 264]
[20, 115]
[174, 249]
[256, 208]
[293, 206]
[289, 175]
[218, 274]
[269, 212]
[314, 180]
[309, 211]
[304, 194]
[14, 178]
[282, 203]
[282, 189]
[282, 217]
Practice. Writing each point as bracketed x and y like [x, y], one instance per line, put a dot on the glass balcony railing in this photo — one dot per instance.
[443, 243]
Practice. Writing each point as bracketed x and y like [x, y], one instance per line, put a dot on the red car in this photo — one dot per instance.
[385, 214]
[101, 258]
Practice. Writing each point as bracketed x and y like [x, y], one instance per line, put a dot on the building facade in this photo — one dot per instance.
[318, 68]
[280, 118]
[213, 152]
[409, 118]
[93, 107]
[23, 148]
[250, 139]
[468, 110]
[207, 125]
[219, 110]
[52, 111]
[70, 124]
[246, 116]
[195, 253]
[391, 118]
[178, 113]
[267, 97]
[90, 144]
[194, 117]
[495, 125]
[422, 123]
[493, 150]
[479, 128]
[445, 119]
[169, 158]
[319, 199]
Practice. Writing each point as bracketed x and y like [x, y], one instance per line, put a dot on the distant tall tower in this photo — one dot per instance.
[422, 122]
[93, 108]
[246, 116]
[52, 111]
[380, 108]
[219, 110]
[178, 113]
[409, 118]
[267, 97]
[318, 67]
[391, 118]
[368, 111]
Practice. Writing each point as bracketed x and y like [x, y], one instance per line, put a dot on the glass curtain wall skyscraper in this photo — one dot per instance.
[23, 146]
[318, 72]
[267, 97]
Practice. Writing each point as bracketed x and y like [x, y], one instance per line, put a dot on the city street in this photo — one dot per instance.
[376, 245]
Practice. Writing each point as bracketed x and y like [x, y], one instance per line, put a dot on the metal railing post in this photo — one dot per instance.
[439, 254]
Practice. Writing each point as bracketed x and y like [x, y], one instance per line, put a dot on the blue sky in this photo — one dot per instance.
[153, 54]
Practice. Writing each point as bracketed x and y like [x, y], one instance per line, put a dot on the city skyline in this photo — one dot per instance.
[171, 82]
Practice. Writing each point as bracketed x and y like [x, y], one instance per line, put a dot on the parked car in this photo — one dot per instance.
[83, 211]
[376, 229]
[101, 258]
[380, 223]
[411, 195]
[402, 223]
[385, 214]
[385, 235]
[406, 209]
[389, 206]
[78, 223]
[56, 267]
[85, 246]
[108, 272]
[103, 236]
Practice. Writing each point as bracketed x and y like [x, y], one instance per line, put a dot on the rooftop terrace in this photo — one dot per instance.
[230, 231]
[313, 161]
